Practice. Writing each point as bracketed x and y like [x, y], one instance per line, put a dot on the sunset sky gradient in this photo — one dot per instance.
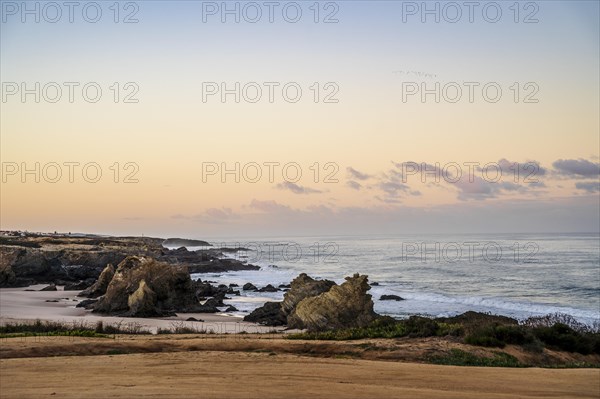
[368, 134]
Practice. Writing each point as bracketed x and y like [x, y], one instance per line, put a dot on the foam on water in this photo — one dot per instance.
[563, 277]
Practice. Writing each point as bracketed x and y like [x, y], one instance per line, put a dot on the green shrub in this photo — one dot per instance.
[562, 337]
[457, 357]
[387, 327]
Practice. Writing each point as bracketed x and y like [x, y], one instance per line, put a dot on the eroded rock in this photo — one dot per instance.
[343, 306]
[142, 286]
[99, 287]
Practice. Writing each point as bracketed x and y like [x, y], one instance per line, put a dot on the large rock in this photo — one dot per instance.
[79, 286]
[143, 286]
[269, 315]
[302, 287]
[142, 302]
[99, 287]
[7, 275]
[343, 306]
[276, 313]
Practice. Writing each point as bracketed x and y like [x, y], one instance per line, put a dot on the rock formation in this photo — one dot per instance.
[99, 287]
[269, 315]
[302, 287]
[143, 287]
[319, 305]
[391, 298]
[62, 259]
[343, 306]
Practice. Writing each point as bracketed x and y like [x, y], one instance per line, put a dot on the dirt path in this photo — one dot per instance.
[261, 375]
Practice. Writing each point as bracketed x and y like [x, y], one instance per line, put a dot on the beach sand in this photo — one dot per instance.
[22, 304]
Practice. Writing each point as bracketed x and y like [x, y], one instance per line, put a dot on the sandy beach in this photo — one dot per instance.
[22, 304]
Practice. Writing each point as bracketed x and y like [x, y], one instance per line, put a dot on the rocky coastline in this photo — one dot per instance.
[77, 261]
[141, 277]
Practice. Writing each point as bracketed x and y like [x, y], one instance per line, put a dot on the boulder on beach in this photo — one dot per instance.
[319, 305]
[143, 287]
[268, 288]
[249, 287]
[79, 286]
[50, 287]
[302, 287]
[343, 306]
[99, 287]
[390, 298]
[269, 314]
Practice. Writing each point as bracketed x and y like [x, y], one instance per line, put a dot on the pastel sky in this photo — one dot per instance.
[365, 143]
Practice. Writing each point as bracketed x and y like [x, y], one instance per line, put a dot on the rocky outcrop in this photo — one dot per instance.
[79, 286]
[54, 263]
[249, 287]
[7, 276]
[319, 305]
[269, 315]
[142, 302]
[302, 287]
[143, 287]
[390, 298]
[99, 287]
[64, 259]
[343, 306]
[182, 242]
[268, 288]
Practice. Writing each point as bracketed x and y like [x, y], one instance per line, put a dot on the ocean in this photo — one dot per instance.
[516, 275]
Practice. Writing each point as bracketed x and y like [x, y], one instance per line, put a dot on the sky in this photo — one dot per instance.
[300, 118]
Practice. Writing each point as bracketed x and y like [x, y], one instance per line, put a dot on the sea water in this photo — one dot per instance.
[517, 275]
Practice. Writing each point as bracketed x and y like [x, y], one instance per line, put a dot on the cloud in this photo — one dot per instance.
[296, 189]
[581, 168]
[591, 187]
[215, 213]
[481, 189]
[527, 172]
[268, 206]
[388, 200]
[353, 185]
[393, 188]
[211, 215]
[355, 174]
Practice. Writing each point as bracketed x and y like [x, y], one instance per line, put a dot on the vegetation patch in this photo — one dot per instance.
[457, 357]
[78, 329]
[387, 327]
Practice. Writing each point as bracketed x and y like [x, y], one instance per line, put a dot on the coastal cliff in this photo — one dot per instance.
[63, 259]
